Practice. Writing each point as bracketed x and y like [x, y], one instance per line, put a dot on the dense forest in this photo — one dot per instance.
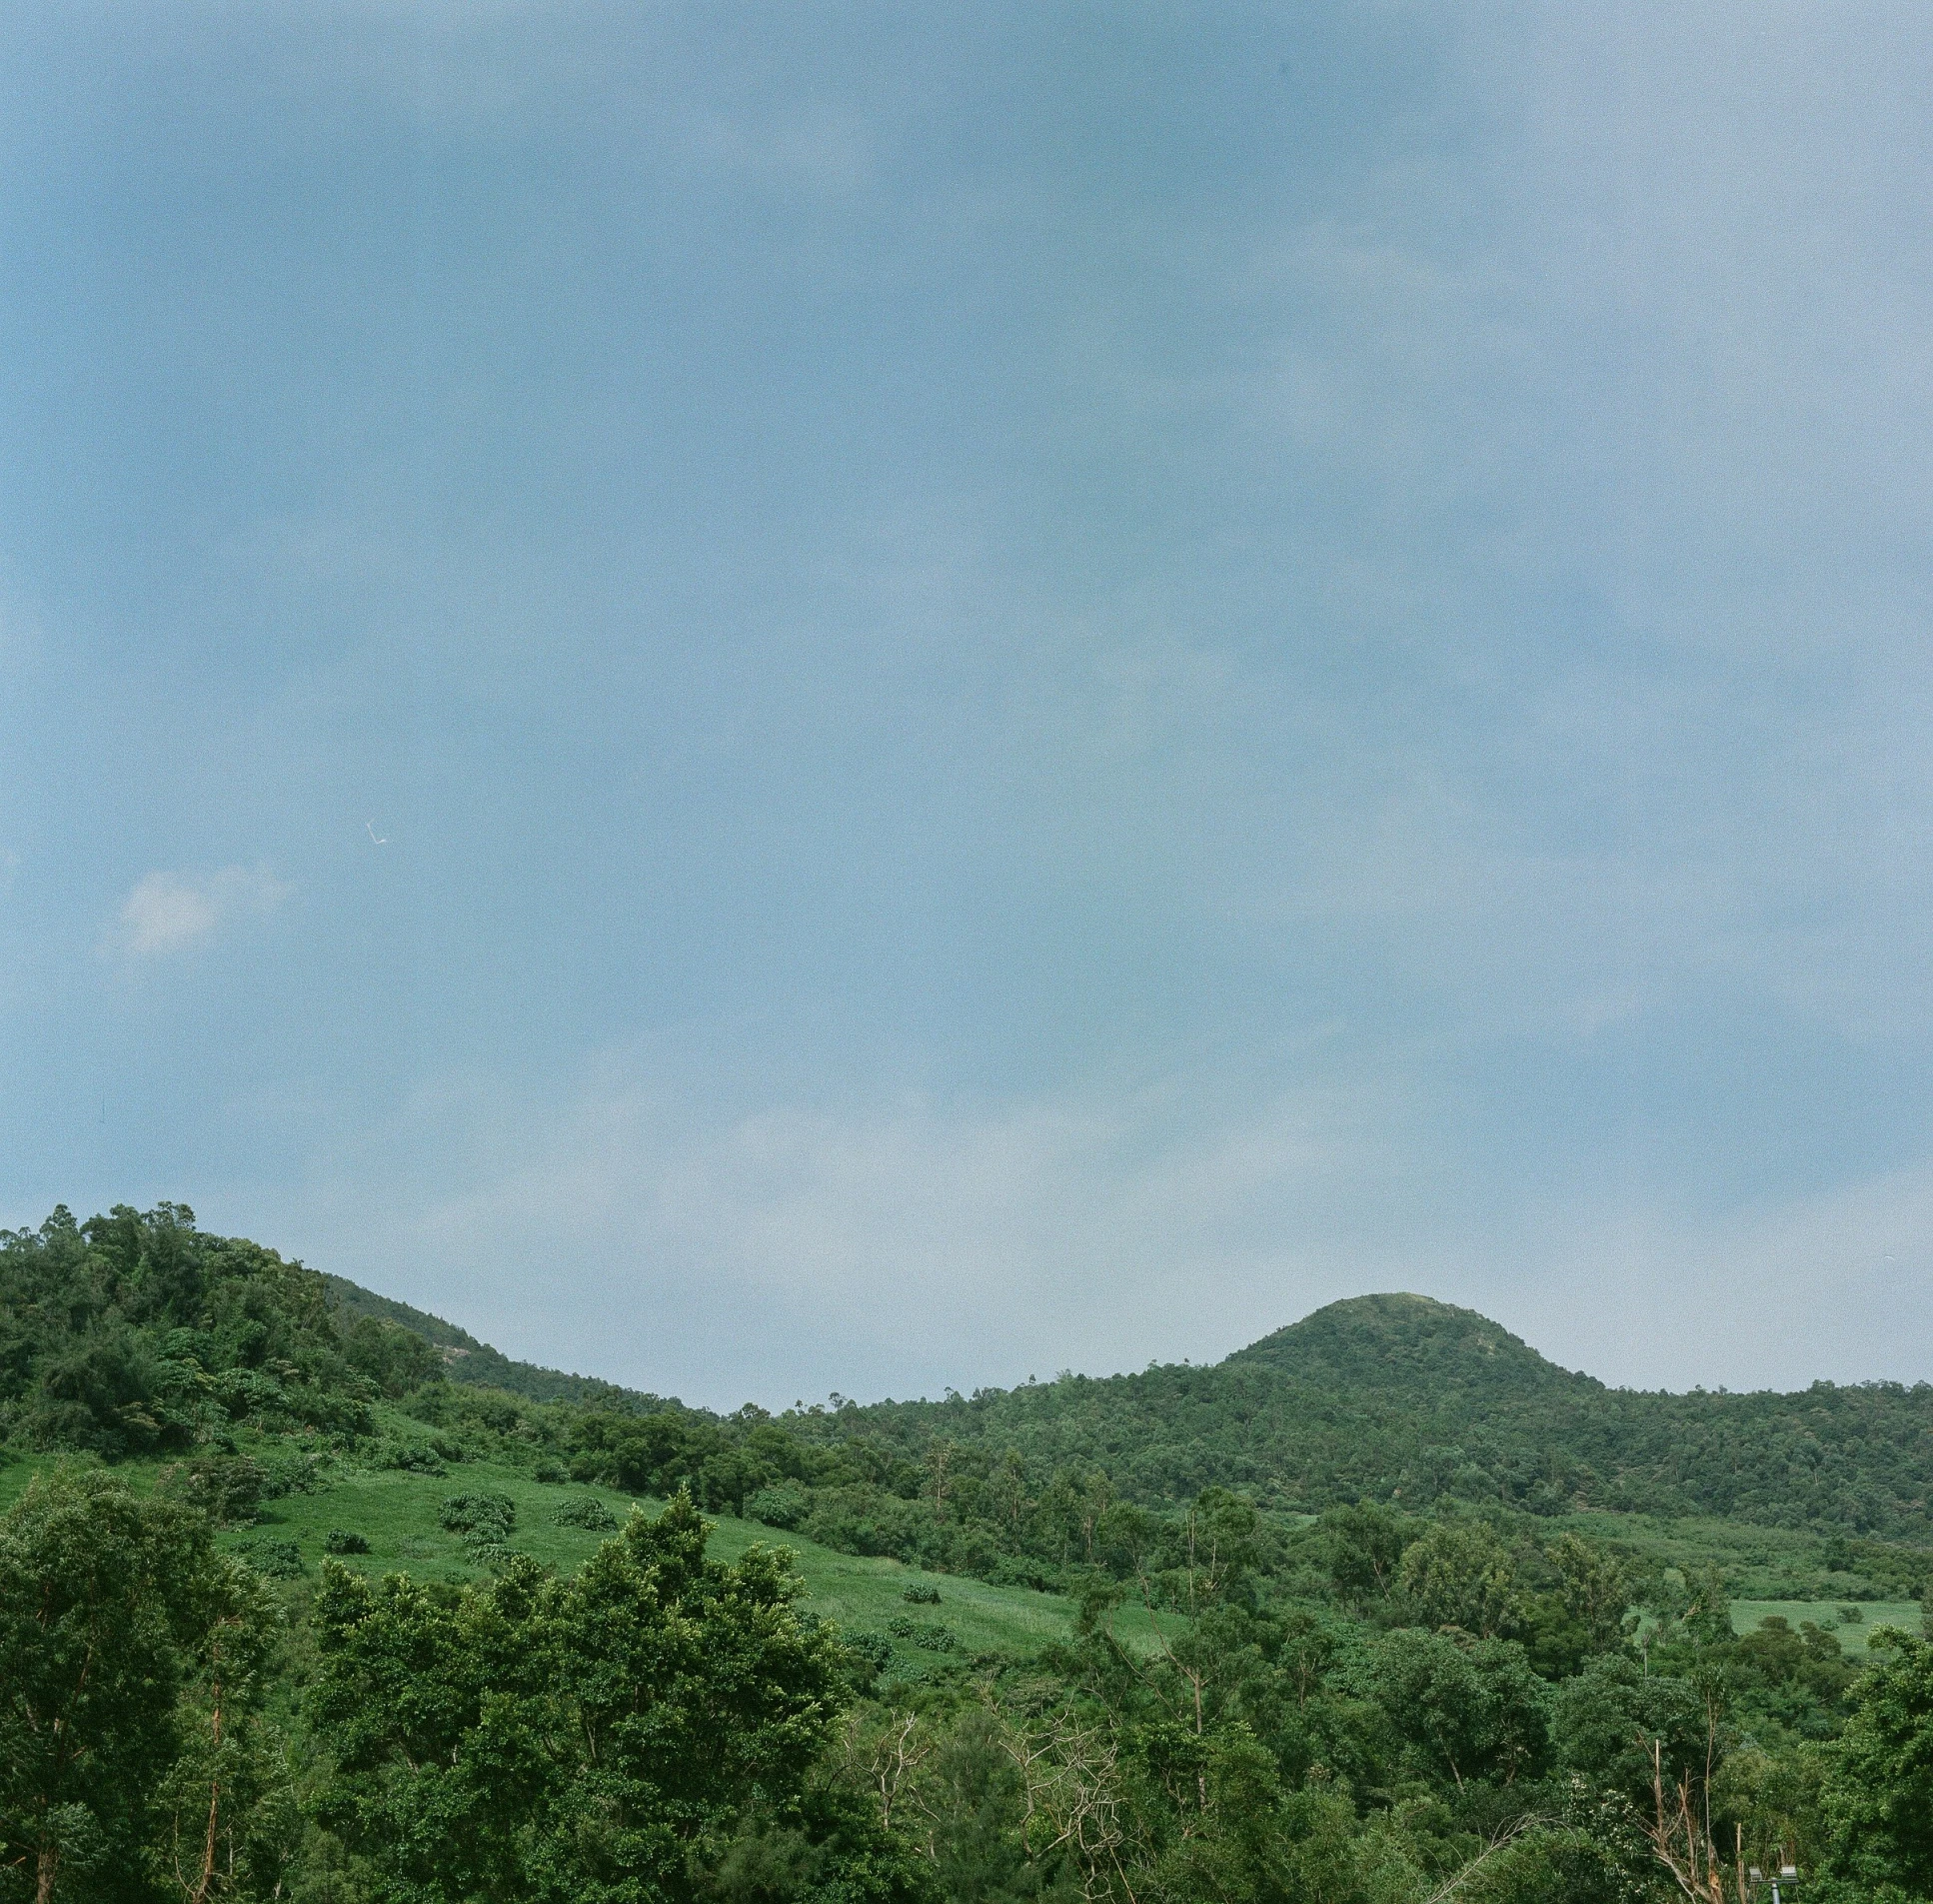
[1399, 1397]
[1377, 1610]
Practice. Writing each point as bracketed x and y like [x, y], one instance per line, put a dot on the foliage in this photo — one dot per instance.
[1406, 1402]
[1877, 1796]
[1331, 1630]
[587, 1512]
[130, 1657]
[623, 1734]
[479, 1517]
[133, 1333]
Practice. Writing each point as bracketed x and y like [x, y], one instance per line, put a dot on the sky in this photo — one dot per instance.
[795, 699]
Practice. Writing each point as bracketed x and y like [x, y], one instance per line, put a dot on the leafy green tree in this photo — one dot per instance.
[1580, 1613]
[432, 1705]
[1767, 1802]
[1594, 1586]
[1364, 1550]
[105, 1603]
[1560, 1864]
[1460, 1574]
[1878, 1790]
[228, 1820]
[1473, 1709]
[613, 1738]
[1606, 1721]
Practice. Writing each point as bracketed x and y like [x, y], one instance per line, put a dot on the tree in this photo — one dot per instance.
[1460, 1574]
[1365, 1546]
[106, 1602]
[1472, 1708]
[228, 1817]
[616, 1736]
[1878, 1791]
[1608, 1719]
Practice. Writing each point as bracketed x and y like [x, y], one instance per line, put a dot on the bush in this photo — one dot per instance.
[552, 1472]
[874, 1648]
[480, 1517]
[284, 1474]
[226, 1487]
[341, 1540]
[279, 1559]
[586, 1511]
[927, 1634]
[248, 1392]
[922, 1595]
[409, 1458]
[785, 1506]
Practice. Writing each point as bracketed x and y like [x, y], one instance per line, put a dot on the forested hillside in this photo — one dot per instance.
[1397, 1397]
[305, 1594]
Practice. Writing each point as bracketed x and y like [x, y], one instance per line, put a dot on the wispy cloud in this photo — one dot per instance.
[908, 1246]
[169, 912]
[630, 1228]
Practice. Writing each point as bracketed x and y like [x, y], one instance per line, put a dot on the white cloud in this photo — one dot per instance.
[168, 911]
[903, 1245]
[632, 1230]
[1831, 1284]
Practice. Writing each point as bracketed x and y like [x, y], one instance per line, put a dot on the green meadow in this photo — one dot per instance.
[399, 1514]
[1853, 1634]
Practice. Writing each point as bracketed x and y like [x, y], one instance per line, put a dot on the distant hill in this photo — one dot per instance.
[468, 1360]
[1412, 1343]
[1401, 1399]
[137, 1333]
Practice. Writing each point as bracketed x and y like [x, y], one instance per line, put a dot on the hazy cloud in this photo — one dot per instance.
[168, 911]
[910, 1246]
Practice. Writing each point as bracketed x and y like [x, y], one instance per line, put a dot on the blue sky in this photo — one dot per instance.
[781, 698]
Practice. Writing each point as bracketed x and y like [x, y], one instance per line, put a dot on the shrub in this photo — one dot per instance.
[480, 1517]
[226, 1487]
[874, 1648]
[284, 1474]
[248, 1391]
[586, 1511]
[279, 1559]
[922, 1595]
[341, 1540]
[410, 1458]
[927, 1634]
[785, 1506]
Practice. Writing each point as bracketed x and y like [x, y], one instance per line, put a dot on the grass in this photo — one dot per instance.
[398, 1514]
[1852, 1636]
[1764, 1563]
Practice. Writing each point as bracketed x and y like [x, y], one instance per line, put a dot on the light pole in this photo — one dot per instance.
[1779, 1885]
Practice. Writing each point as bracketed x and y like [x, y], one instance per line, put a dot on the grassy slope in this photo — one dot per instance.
[1852, 1636]
[1764, 1564]
[398, 1514]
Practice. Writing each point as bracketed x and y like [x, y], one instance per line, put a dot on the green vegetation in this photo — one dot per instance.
[1397, 1397]
[305, 1594]
[1867, 1625]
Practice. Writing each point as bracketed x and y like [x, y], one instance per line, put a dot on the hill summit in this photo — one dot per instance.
[1398, 1397]
[1404, 1341]
[137, 1333]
